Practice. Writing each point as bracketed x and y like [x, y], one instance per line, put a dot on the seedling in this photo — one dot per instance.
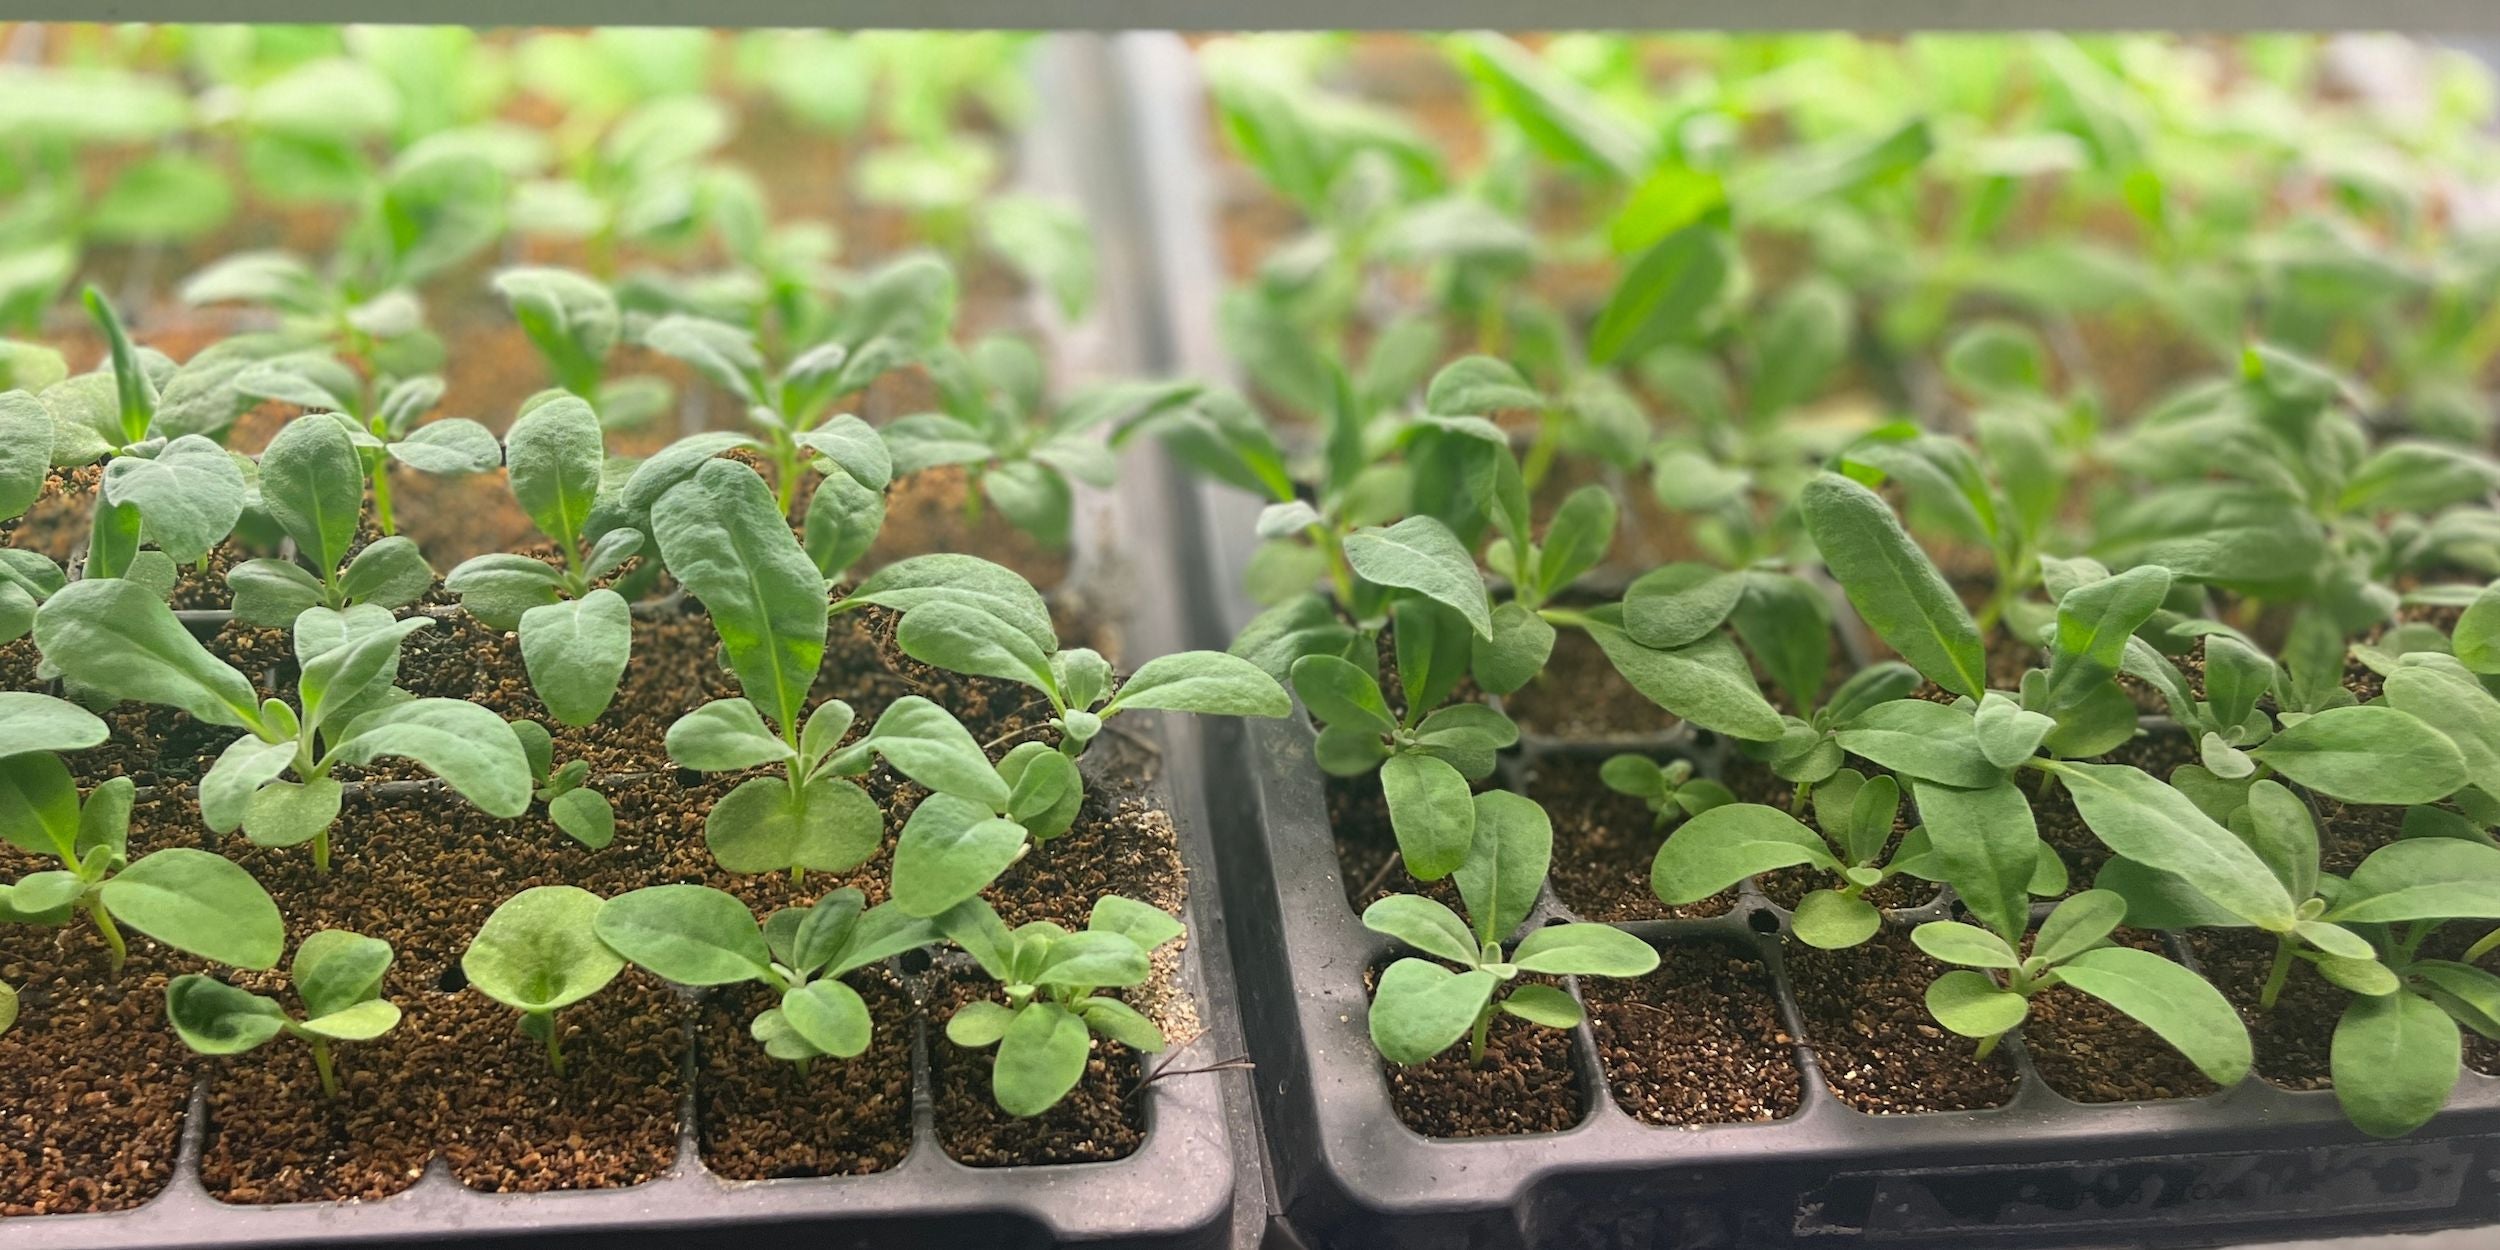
[998, 626]
[895, 316]
[696, 935]
[1421, 1009]
[312, 484]
[575, 324]
[2213, 853]
[384, 427]
[1023, 455]
[538, 954]
[1990, 994]
[337, 975]
[1669, 790]
[584, 814]
[121, 641]
[576, 636]
[8, 1008]
[436, 206]
[188, 899]
[1050, 1006]
[166, 480]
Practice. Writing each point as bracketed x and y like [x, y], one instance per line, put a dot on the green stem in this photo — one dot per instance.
[1988, 1044]
[321, 852]
[2275, 977]
[382, 497]
[1476, 1038]
[555, 1049]
[1340, 574]
[120, 951]
[1541, 452]
[786, 459]
[2490, 942]
[321, 1064]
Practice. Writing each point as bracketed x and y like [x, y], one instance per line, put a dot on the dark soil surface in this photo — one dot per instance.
[2090, 1051]
[2295, 1038]
[18, 663]
[1865, 1014]
[1102, 1119]
[760, 1118]
[928, 512]
[2349, 832]
[274, 1137]
[1604, 843]
[95, 1080]
[1699, 1041]
[58, 521]
[1581, 698]
[1526, 1084]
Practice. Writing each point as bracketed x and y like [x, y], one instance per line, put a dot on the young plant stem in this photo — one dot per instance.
[1541, 451]
[2277, 975]
[2490, 942]
[382, 498]
[1340, 573]
[1988, 1044]
[555, 1048]
[321, 1064]
[321, 852]
[1476, 1037]
[786, 462]
[118, 950]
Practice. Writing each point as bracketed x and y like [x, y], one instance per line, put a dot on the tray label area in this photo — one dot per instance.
[2163, 1189]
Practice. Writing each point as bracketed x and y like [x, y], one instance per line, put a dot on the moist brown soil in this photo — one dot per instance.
[19, 661]
[1526, 1084]
[760, 1118]
[197, 588]
[96, 1082]
[1865, 1014]
[1699, 1041]
[1368, 863]
[1120, 844]
[1103, 1118]
[2295, 1038]
[2349, 832]
[56, 524]
[1581, 698]
[511, 1125]
[928, 512]
[1756, 783]
[2092, 1052]
[273, 1136]
[1604, 843]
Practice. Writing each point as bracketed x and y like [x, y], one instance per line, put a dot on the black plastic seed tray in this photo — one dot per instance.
[2252, 1162]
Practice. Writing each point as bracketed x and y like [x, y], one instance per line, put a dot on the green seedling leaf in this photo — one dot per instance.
[2394, 1059]
[2154, 825]
[2176, 1004]
[540, 950]
[721, 533]
[199, 903]
[117, 638]
[576, 652]
[2367, 754]
[689, 934]
[1970, 1004]
[1422, 555]
[1421, 1009]
[1893, 584]
[1725, 845]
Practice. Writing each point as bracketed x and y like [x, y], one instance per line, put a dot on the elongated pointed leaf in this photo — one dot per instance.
[1893, 584]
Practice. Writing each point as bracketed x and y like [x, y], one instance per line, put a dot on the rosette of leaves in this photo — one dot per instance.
[1664, 639]
[574, 322]
[1023, 454]
[584, 814]
[166, 482]
[384, 420]
[1421, 1008]
[312, 485]
[338, 977]
[576, 636]
[2435, 734]
[969, 615]
[2270, 486]
[696, 935]
[1989, 993]
[540, 953]
[188, 899]
[437, 205]
[894, 316]
[1428, 756]
[2204, 853]
[1669, 790]
[1051, 1005]
[119, 640]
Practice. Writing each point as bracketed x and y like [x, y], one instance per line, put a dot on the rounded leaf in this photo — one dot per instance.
[540, 950]
[214, 1018]
[1832, 920]
[1972, 1005]
[689, 934]
[829, 1016]
[200, 903]
[1421, 1009]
